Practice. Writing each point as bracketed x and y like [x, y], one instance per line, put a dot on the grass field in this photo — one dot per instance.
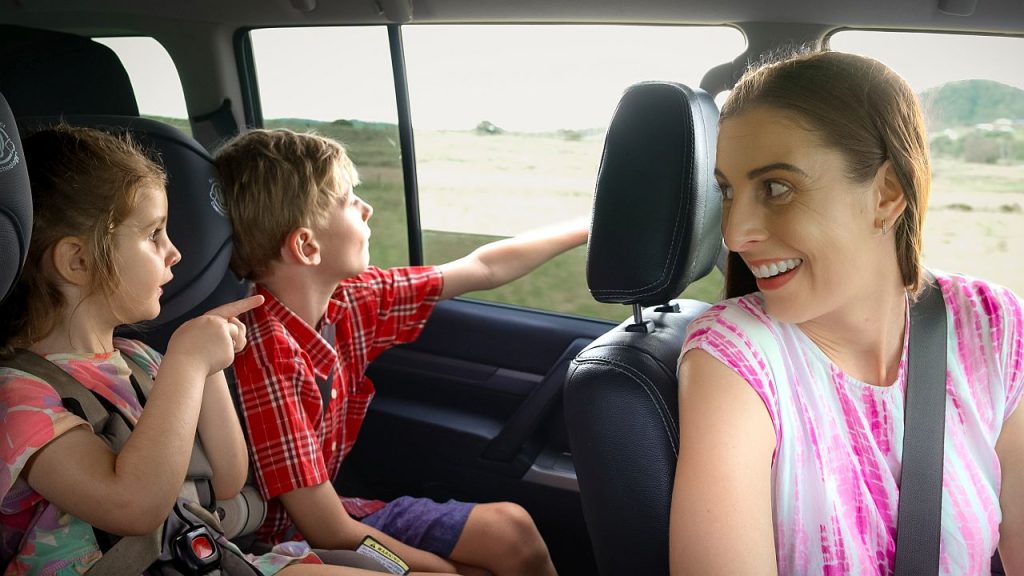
[475, 188]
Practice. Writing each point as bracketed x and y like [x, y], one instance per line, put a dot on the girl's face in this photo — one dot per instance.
[143, 256]
[806, 231]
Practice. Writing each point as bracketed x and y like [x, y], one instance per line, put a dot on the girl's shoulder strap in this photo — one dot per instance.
[76, 397]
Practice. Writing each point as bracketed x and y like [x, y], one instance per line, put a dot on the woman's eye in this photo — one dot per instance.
[726, 191]
[776, 190]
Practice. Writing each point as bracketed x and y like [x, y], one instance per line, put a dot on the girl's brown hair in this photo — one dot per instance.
[84, 183]
[862, 109]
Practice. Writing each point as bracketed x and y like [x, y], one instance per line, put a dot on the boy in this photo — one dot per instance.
[301, 235]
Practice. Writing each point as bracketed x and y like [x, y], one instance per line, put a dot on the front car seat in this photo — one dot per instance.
[656, 229]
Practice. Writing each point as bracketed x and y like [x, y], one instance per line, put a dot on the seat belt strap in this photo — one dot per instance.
[919, 519]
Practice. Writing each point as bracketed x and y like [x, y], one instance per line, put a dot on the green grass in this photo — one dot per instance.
[559, 285]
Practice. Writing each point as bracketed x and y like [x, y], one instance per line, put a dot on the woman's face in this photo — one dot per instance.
[807, 232]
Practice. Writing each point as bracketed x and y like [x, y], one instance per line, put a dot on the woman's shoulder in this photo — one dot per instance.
[744, 315]
[969, 298]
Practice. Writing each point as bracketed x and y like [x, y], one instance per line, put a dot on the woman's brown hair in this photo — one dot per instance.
[864, 110]
[84, 183]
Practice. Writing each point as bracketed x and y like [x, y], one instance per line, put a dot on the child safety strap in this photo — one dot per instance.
[133, 554]
[920, 506]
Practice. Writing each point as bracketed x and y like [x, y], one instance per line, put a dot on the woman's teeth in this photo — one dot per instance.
[775, 268]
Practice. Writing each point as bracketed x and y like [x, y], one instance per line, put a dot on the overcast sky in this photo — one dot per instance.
[524, 78]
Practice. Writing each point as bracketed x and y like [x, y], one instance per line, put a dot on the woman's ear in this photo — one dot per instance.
[890, 197]
[301, 247]
[72, 262]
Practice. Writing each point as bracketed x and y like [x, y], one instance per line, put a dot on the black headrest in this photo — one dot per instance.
[657, 215]
[196, 221]
[15, 202]
[47, 73]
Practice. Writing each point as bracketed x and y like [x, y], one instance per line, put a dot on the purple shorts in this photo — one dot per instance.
[422, 523]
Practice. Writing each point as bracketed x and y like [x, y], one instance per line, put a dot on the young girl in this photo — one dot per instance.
[98, 258]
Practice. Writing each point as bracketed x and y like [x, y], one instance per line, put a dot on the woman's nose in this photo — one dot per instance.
[743, 223]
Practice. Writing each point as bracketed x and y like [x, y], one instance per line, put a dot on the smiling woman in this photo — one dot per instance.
[800, 378]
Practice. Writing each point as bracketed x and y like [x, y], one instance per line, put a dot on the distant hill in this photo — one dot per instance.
[970, 102]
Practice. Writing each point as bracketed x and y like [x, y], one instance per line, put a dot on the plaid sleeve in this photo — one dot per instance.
[393, 305]
[276, 390]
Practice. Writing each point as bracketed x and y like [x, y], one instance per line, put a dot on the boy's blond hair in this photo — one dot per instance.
[274, 181]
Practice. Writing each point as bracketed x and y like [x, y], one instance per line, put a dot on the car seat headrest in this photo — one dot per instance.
[43, 72]
[196, 221]
[657, 214]
[15, 202]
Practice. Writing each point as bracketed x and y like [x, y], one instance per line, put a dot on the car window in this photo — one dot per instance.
[337, 82]
[509, 125]
[972, 93]
[508, 121]
[154, 77]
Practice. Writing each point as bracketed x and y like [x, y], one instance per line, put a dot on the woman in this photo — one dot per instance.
[791, 392]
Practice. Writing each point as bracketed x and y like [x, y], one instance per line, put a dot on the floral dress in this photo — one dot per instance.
[36, 537]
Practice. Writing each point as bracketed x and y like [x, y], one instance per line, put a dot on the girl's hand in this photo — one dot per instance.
[214, 338]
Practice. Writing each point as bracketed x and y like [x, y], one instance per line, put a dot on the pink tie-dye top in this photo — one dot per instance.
[839, 448]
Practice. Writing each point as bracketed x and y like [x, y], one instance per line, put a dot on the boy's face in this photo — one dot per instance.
[345, 240]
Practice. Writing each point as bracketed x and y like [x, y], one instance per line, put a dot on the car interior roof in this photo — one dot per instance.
[123, 17]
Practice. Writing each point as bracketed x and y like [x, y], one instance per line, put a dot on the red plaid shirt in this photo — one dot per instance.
[293, 444]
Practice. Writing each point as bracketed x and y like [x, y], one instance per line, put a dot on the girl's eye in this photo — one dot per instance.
[155, 234]
[775, 190]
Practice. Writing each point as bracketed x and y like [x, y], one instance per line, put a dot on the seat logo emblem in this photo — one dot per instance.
[8, 151]
[216, 199]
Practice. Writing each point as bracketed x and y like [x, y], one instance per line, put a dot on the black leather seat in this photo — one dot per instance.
[196, 222]
[60, 77]
[656, 229]
[15, 202]
[43, 72]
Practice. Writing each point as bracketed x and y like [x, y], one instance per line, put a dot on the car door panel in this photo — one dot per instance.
[472, 411]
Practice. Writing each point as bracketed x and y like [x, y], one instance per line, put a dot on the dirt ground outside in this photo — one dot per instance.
[505, 184]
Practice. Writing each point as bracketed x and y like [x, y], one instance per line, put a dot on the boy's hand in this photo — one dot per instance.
[213, 339]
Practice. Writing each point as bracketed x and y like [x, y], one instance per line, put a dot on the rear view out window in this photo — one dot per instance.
[510, 121]
[154, 79]
[972, 93]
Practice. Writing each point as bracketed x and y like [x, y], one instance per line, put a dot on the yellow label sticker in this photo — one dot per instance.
[379, 552]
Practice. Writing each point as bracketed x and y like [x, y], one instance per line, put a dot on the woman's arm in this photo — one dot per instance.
[721, 520]
[1010, 450]
[222, 438]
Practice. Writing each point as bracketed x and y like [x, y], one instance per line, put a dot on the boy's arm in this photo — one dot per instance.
[500, 262]
[222, 438]
[322, 520]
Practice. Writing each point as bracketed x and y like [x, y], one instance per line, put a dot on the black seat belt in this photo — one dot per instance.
[920, 506]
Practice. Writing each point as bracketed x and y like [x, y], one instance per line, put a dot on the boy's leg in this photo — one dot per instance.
[500, 538]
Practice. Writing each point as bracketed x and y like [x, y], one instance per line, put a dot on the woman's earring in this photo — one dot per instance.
[885, 227]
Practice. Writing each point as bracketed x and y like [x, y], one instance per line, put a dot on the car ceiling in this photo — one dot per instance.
[109, 17]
